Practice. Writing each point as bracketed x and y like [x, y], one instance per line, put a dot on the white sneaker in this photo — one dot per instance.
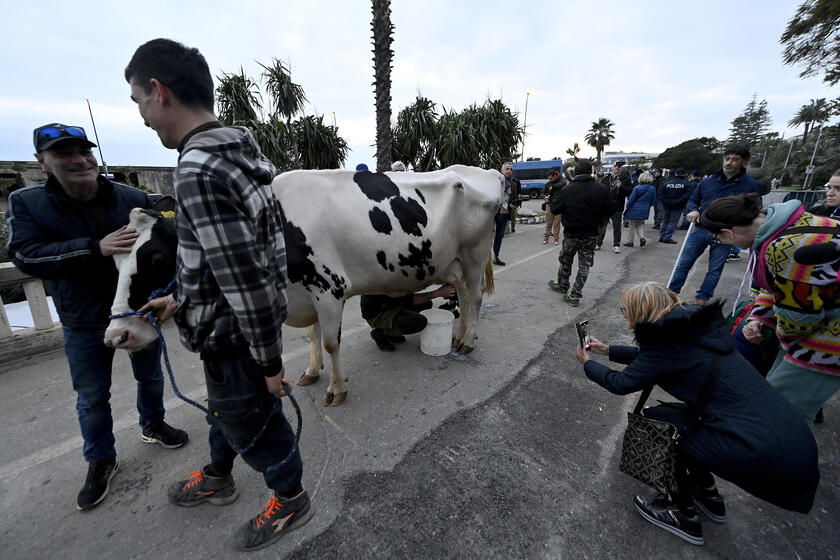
[616, 249]
[556, 243]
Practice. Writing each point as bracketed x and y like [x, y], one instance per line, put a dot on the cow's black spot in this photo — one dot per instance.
[390, 267]
[423, 198]
[376, 186]
[339, 283]
[382, 259]
[380, 221]
[301, 268]
[410, 214]
[418, 258]
[155, 263]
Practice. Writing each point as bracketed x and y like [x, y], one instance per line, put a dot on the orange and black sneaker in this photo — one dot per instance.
[202, 487]
[278, 517]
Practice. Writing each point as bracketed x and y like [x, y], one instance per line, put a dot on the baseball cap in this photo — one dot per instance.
[44, 137]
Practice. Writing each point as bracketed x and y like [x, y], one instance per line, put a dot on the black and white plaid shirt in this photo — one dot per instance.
[231, 256]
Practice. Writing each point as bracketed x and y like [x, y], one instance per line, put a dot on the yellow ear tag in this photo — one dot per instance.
[168, 214]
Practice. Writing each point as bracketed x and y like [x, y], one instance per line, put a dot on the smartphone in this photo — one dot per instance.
[582, 328]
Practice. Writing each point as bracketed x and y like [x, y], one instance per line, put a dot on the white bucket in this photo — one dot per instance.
[436, 338]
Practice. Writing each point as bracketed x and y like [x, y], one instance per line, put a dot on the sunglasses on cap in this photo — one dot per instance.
[47, 135]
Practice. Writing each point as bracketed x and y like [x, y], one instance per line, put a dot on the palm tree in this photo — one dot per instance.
[816, 112]
[287, 99]
[319, 145]
[382, 55]
[599, 136]
[238, 98]
[485, 136]
[415, 135]
[306, 142]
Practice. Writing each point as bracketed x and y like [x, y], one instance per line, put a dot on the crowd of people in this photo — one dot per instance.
[737, 425]
[748, 391]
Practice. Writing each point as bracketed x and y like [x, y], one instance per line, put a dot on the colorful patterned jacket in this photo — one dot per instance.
[801, 302]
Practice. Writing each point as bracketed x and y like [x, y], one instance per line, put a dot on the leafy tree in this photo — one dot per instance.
[691, 154]
[484, 136]
[238, 98]
[811, 39]
[286, 97]
[305, 142]
[319, 145]
[574, 151]
[815, 112]
[748, 127]
[599, 136]
[382, 56]
[415, 136]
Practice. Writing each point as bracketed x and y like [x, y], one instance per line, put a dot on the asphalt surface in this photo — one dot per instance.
[509, 452]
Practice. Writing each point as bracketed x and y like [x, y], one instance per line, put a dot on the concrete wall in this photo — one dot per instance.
[24, 173]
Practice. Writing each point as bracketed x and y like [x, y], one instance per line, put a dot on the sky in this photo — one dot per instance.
[662, 71]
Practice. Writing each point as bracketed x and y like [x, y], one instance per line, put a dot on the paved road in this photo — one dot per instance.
[509, 452]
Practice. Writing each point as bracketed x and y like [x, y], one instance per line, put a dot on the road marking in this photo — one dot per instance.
[502, 270]
[130, 420]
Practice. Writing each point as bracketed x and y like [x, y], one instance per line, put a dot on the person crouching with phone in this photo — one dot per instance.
[746, 432]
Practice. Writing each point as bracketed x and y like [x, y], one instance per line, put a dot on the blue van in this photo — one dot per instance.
[533, 174]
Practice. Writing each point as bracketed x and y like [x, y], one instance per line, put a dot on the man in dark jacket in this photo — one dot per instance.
[731, 179]
[620, 186]
[66, 231]
[391, 318]
[507, 212]
[231, 298]
[675, 194]
[585, 207]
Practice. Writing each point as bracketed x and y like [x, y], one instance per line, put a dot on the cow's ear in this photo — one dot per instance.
[165, 204]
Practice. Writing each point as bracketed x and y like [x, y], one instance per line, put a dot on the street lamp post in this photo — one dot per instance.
[525, 125]
[98, 143]
[334, 125]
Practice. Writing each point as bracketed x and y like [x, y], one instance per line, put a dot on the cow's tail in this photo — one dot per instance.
[489, 285]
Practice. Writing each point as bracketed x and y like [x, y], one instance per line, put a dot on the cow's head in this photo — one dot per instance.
[149, 266]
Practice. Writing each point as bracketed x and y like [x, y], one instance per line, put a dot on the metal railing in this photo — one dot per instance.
[44, 336]
[809, 198]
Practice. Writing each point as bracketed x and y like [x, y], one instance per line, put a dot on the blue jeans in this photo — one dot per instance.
[90, 370]
[695, 245]
[240, 404]
[501, 224]
[670, 219]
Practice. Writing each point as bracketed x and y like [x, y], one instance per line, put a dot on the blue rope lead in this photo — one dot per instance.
[274, 409]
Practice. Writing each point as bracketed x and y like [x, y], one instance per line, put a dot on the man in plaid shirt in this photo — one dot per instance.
[230, 301]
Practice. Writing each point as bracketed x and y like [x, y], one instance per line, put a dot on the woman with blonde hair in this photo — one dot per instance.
[732, 423]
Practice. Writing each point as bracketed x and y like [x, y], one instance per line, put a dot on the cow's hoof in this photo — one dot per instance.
[462, 348]
[334, 399]
[307, 379]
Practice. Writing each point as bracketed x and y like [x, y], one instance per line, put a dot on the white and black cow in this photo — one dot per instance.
[359, 233]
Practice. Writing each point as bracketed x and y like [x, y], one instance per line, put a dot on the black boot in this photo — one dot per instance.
[381, 339]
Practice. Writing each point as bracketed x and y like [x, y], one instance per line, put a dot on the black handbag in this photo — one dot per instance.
[649, 450]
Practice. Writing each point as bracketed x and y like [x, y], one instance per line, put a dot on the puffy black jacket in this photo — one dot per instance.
[53, 237]
[748, 433]
[584, 204]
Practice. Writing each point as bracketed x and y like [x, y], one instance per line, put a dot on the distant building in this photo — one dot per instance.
[608, 159]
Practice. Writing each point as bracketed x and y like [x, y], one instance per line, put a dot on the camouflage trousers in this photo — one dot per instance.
[584, 248]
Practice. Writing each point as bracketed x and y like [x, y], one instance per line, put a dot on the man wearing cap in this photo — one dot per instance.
[731, 179]
[675, 194]
[65, 231]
